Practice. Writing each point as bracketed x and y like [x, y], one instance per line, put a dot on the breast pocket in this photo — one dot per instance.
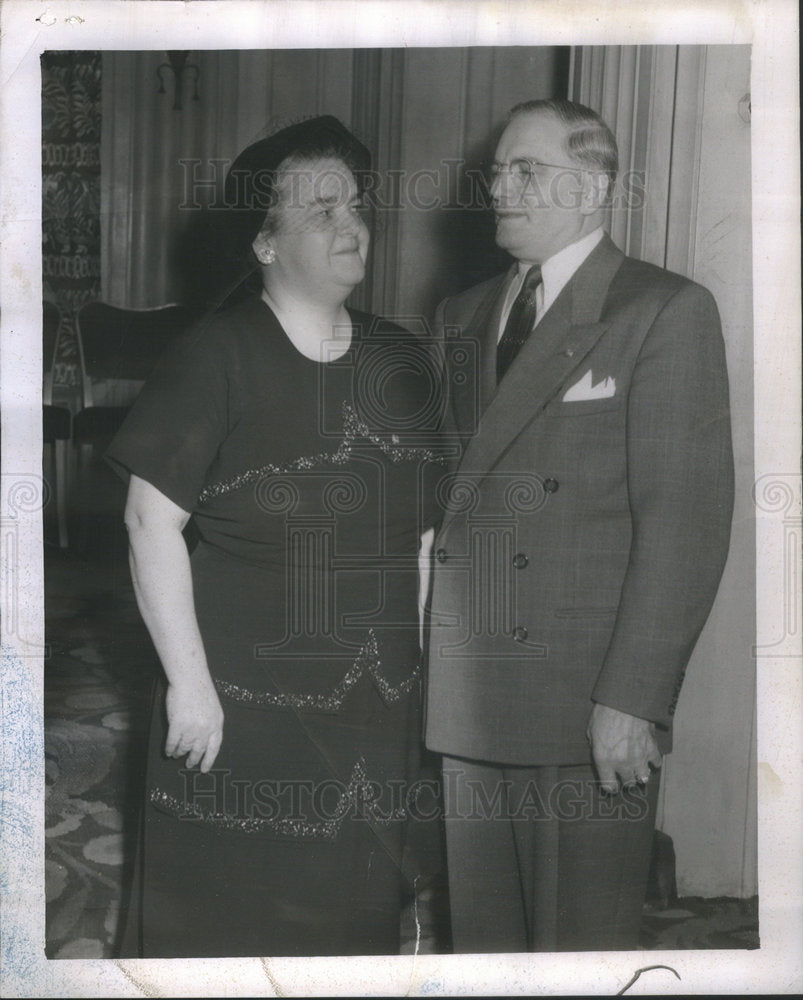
[584, 407]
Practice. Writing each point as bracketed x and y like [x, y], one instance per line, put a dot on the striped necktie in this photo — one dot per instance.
[519, 323]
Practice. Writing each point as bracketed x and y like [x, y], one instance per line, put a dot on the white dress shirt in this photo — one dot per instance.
[555, 274]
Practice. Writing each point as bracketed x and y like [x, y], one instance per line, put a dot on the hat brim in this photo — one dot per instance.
[250, 182]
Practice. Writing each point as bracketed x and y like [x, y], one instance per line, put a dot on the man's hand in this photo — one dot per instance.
[622, 745]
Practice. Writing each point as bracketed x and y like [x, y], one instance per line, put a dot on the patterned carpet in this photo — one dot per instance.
[97, 691]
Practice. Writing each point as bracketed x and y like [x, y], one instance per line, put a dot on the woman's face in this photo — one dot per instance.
[317, 233]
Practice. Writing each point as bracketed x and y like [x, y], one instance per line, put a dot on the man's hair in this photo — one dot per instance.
[589, 141]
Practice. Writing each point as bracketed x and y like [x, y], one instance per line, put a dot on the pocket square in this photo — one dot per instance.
[585, 389]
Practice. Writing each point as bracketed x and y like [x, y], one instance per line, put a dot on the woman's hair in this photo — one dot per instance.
[299, 161]
[589, 141]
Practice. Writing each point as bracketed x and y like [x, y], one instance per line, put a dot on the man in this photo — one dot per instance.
[580, 551]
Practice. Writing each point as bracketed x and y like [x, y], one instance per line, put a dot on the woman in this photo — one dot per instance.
[294, 432]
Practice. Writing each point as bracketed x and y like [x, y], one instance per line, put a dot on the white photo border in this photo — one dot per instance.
[28, 29]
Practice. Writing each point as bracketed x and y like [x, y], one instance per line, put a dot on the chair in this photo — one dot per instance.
[56, 420]
[118, 349]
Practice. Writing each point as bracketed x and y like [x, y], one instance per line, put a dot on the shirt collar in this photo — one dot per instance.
[559, 268]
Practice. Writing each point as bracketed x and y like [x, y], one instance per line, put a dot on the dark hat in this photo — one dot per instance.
[250, 182]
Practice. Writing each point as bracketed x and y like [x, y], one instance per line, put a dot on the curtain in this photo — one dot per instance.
[427, 115]
[164, 166]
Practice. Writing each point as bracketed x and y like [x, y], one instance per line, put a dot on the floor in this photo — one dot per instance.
[97, 689]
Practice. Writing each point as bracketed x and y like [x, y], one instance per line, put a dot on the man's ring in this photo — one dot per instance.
[642, 779]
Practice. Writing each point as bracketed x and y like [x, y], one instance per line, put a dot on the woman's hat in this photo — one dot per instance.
[250, 182]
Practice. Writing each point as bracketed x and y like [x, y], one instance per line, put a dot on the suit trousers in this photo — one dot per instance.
[540, 859]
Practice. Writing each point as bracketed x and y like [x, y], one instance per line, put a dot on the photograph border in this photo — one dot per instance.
[771, 27]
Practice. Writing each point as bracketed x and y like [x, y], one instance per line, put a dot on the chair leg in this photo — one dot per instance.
[85, 452]
[60, 448]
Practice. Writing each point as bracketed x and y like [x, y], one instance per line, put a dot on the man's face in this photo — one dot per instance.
[536, 189]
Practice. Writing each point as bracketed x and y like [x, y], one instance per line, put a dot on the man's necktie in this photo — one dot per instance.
[519, 323]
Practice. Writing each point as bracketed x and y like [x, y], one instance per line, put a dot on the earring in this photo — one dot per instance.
[267, 256]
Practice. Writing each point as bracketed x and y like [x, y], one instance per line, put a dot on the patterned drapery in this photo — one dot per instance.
[71, 118]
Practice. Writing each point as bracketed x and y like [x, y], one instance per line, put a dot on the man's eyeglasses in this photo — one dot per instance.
[523, 169]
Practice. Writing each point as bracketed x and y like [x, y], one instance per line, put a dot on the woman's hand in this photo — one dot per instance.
[195, 724]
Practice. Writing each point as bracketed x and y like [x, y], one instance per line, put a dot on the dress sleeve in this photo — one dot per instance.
[173, 432]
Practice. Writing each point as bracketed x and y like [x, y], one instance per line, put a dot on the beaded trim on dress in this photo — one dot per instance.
[353, 429]
[367, 660]
[358, 798]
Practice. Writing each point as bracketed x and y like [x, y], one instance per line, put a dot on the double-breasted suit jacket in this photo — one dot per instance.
[587, 525]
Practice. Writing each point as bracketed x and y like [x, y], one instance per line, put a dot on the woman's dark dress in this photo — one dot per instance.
[309, 484]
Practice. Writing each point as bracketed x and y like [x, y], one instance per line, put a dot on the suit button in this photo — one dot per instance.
[441, 555]
[520, 560]
[520, 633]
[551, 485]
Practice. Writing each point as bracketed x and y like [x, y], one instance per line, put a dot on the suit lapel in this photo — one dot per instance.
[557, 346]
[480, 330]
[489, 336]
